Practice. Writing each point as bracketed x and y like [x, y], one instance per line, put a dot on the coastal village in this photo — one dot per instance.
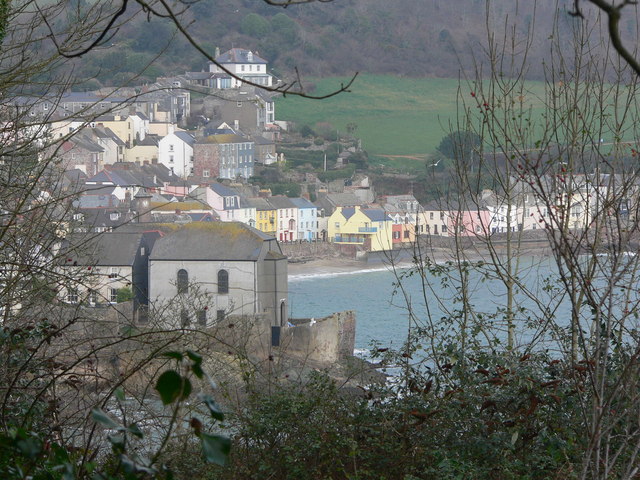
[305, 239]
[160, 207]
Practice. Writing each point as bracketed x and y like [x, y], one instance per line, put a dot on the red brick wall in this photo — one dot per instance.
[206, 156]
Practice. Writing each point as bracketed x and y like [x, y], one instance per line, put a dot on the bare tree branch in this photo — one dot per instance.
[169, 12]
[614, 14]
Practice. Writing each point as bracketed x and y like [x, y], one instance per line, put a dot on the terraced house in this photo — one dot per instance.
[369, 228]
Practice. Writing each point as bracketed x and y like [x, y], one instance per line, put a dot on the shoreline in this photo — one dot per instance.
[339, 265]
[331, 266]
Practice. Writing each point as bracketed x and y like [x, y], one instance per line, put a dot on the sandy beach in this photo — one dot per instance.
[325, 266]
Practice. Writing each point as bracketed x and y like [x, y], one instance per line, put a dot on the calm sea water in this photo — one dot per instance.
[381, 309]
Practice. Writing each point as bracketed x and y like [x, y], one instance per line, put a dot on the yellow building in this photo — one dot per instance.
[265, 215]
[370, 228]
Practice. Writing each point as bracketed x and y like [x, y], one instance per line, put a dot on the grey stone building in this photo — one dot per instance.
[216, 270]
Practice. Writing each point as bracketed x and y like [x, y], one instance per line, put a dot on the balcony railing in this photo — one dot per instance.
[367, 229]
[341, 239]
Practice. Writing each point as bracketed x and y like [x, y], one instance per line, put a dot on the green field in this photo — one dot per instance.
[402, 116]
[395, 116]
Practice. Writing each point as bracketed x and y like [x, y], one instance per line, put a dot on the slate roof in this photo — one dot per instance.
[198, 75]
[239, 55]
[348, 212]
[260, 140]
[106, 132]
[127, 178]
[223, 190]
[212, 241]
[375, 214]
[280, 201]
[149, 141]
[185, 137]
[302, 203]
[105, 249]
[101, 217]
[259, 203]
[343, 199]
[83, 141]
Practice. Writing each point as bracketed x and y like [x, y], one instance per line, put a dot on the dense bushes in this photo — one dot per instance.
[499, 416]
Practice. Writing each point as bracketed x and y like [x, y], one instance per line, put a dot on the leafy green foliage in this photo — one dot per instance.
[124, 294]
[459, 145]
[255, 25]
[172, 387]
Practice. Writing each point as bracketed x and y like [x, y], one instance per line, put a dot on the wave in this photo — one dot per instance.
[361, 352]
[318, 274]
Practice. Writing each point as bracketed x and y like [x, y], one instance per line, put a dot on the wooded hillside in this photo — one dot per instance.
[409, 38]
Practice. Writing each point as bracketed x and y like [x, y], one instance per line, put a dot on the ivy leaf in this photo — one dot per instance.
[215, 448]
[99, 416]
[119, 393]
[175, 355]
[196, 368]
[194, 357]
[133, 429]
[172, 386]
[213, 407]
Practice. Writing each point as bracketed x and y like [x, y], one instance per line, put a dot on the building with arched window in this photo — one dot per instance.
[241, 270]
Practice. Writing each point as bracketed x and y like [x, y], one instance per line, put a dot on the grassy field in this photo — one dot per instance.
[403, 119]
[395, 116]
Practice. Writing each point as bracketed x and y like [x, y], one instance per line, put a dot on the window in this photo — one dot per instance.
[184, 318]
[170, 158]
[182, 281]
[93, 297]
[430, 215]
[219, 315]
[444, 228]
[223, 281]
[113, 295]
[202, 318]
[396, 235]
[114, 273]
[406, 234]
[205, 173]
[72, 295]
[171, 148]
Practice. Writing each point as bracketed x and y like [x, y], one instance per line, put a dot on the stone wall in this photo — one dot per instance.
[327, 340]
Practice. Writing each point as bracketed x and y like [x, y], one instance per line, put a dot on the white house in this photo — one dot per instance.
[244, 64]
[175, 151]
[227, 203]
[307, 219]
[286, 218]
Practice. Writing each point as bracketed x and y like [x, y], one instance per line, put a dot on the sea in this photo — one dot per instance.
[382, 298]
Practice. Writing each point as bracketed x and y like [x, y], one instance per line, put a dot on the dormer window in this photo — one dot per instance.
[114, 216]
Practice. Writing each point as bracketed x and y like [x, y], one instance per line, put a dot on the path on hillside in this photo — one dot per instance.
[419, 156]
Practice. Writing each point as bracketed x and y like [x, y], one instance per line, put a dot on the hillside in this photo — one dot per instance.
[415, 38]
